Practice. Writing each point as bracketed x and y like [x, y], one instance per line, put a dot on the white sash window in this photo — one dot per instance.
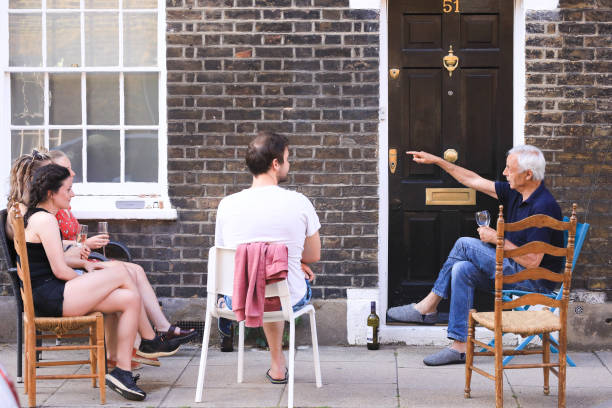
[88, 77]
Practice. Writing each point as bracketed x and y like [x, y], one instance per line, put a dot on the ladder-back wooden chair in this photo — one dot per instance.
[93, 322]
[525, 322]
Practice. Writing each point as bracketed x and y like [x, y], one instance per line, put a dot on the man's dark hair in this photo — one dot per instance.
[262, 151]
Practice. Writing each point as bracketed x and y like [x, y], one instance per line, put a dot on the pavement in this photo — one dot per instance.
[393, 376]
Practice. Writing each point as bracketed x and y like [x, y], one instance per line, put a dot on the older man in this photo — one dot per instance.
[471, 262]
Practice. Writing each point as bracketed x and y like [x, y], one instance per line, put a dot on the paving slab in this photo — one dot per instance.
[412, 357]
[357, 353]
[344, 395]
[226, 376]
[577, 377]
[354, 377]
[533, 397]
[223, 397]
[605, 357]
[77, 394]
[216, 357]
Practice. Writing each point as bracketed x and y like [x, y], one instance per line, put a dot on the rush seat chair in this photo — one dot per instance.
[92, 322]
[505, 319]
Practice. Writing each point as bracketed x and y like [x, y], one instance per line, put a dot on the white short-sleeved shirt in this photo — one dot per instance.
[269, 214]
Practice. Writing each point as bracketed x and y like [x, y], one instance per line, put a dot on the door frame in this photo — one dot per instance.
[393, 333]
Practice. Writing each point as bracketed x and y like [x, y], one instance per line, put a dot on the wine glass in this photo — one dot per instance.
[103, 229]
[82, 235]
[483, 218]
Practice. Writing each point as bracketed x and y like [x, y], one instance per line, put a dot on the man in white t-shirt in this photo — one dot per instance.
[266, 212]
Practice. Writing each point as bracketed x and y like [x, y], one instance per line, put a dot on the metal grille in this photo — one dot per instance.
[198, 325]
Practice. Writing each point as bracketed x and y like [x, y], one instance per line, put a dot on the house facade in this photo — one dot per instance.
[163, 96]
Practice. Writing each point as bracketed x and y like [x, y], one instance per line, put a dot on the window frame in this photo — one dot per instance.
[87, 191]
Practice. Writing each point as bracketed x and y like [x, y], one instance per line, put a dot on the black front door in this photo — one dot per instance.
[468, 110]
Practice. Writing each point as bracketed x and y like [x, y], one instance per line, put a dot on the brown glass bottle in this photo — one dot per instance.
[372, 329]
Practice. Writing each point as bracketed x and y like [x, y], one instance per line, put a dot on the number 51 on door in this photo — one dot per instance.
[447, 6]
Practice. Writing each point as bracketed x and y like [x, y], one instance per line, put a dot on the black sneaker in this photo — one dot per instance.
[124, 384]
[159, 346]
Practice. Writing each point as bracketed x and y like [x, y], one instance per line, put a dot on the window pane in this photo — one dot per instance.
[141, 155]
[63, 40]
[63, 4]
[65, 99]
[103, 99]
[69, 141]
[101, 39]
[24, 4]
[140, 36]
[103, 156]
[27, 99]
[139, 4]
[23, 141]
[101, 4]
[141, 99]
[25, 40]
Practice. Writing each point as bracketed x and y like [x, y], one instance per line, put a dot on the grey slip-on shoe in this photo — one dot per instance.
[445, 357]
[409, 314]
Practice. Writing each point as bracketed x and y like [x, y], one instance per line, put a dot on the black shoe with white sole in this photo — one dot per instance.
[122, 382]
[159, 346]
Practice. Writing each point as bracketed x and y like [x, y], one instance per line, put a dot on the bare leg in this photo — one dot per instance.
[111, 320]
[274, 335]
[459, 346]
[144, 326]
[429, 304]
[107, 293]
[149, 298]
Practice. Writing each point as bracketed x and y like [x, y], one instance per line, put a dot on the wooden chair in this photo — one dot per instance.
[94, 322]
[8, 252]
[221, 282]
[115, 250]
[525, 322]
[581, 231]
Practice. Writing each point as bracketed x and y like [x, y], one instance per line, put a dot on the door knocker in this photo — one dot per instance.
[450, 61]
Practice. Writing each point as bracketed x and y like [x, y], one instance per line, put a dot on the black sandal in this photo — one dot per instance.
[170, 334]
[278, 380]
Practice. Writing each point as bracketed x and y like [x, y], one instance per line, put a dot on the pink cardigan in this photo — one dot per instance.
[255, 265]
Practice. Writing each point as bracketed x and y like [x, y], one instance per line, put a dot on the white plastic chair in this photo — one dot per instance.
[220, 282]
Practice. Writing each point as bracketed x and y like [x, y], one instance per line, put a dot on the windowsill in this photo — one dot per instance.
[105, 207]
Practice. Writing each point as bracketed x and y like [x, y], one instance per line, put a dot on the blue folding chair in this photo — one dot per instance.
[581, 231]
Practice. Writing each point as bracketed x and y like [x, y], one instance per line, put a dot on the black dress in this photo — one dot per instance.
[47, 289]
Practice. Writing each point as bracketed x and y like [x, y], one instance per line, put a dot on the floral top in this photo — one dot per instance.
[69, 225]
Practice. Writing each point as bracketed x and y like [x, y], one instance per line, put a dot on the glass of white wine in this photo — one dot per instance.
[82, 235]
[483, 218]
[103, 229]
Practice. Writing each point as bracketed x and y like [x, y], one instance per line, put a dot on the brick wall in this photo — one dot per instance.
[569, 116]
[304, 68]
[309, 69]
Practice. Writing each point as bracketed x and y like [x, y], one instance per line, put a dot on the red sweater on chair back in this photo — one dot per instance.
[255, 265]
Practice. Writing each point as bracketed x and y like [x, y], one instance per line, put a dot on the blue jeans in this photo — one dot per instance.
[300, 304]
[471, 265]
